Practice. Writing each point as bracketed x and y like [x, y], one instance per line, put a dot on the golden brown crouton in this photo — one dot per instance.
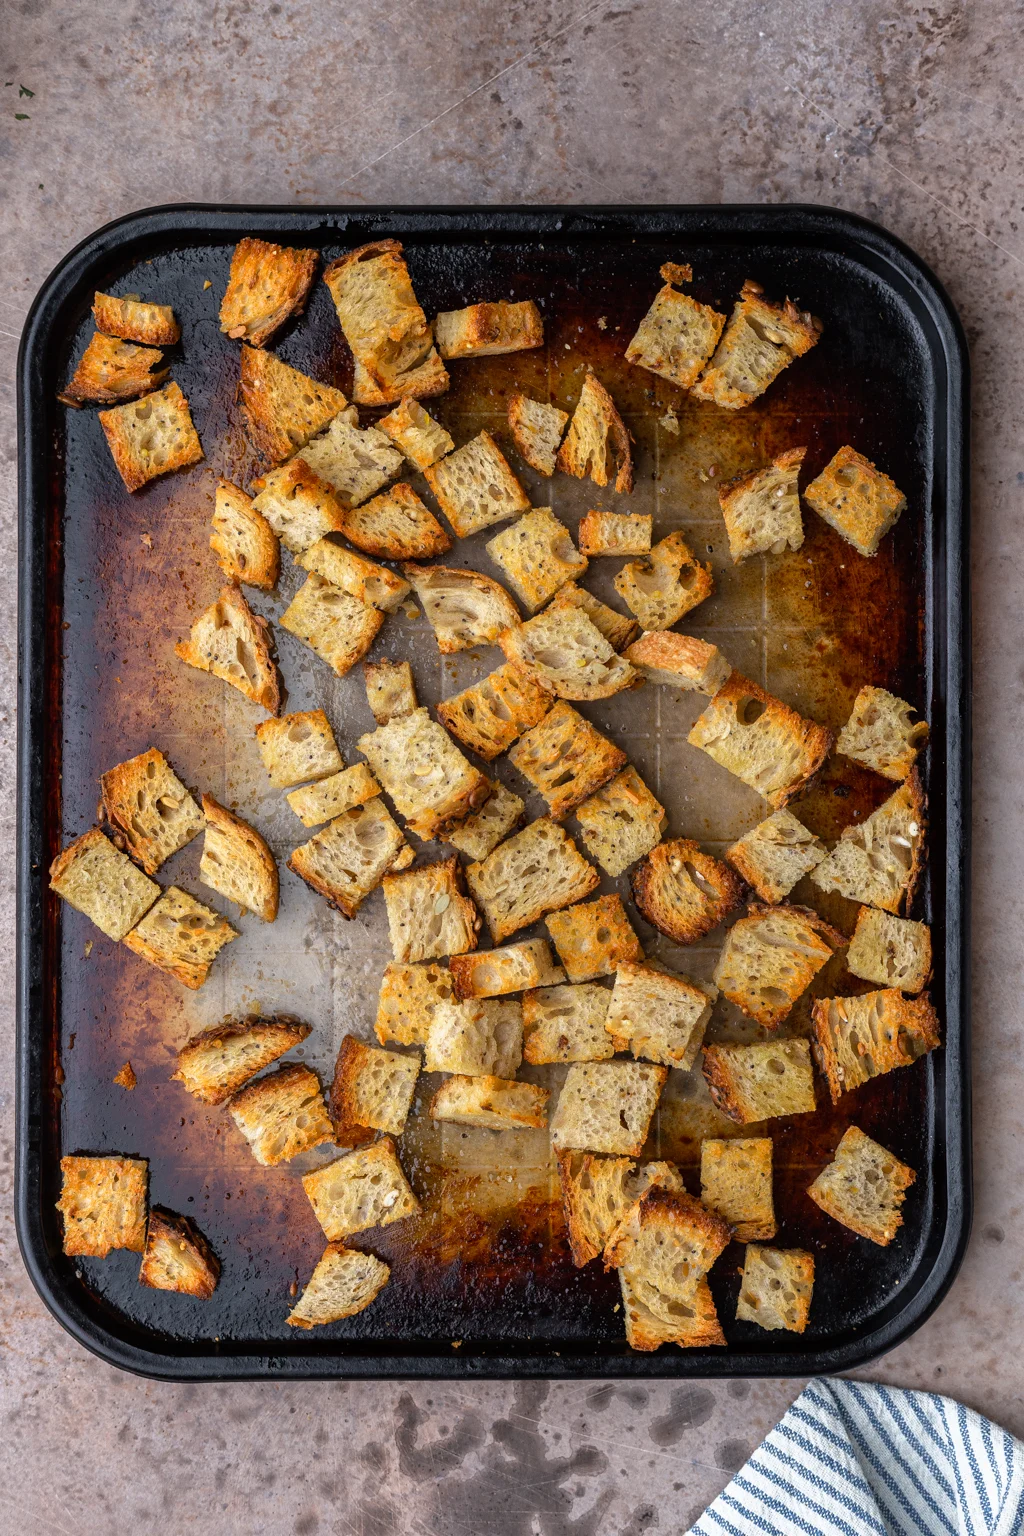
[181, 937]
[864, 1187]
[379, 313]
[537, 870]
[493, 1103]
[775, 854]
[243, 541]
[150, 807]
[566, 1023]
[658, 1015]
[607, 1106]
[283, 408]
[419, 383]
[475, 487]
[412, 429]
[684, 892]
[131, 319]
[356, 462]
[343, 1284]
[761, 740]
[152, 436]
[489, 330]
[372, 1091]
[366, 1188]
[350, 857]
[677, 335]
[178, 1257]
[760, 340]
[111, 371]
[537, 556]
[760, 1082]
[736, 1181]
[856, 499]
[565, 758]
[878, 861]
[337, 626]
[298, 747]
[679, 661]
[486, 828]
[594, 938]
[99, 880]
[324, 801]
[409, 998]
[299, 506]
[267, 285]
[569, 655]
[770, 958]
[618, 629]
[396, 526]
[881, 734]
[775, 1291]
[597, 443]
[694, 1323]
[103, 1203]
[463, 608]
[597, 1192]
[282, 1114]
[237, 863]
[390, 690]
[858, 1038]
[666, 585]
[615, 533]
[491, 715]
[536, 431]
[762, 510]
[621, 822]
[890, 951]
[218, 1061]
[428, 913]
[236, 645]
[432, 784]
[361, 578]
[666, 1243]
[512, 968]
[478, 1037]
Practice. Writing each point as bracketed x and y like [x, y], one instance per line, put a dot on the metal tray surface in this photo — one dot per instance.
[482, 1285]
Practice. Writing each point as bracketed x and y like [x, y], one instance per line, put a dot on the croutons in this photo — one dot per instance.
[243, 541]
[621, 822]
[337, 626]
[396, 526]
[428, 378]
[775, 1291]
[314, 804]
[736, 1181]
[666, 1243]
[890, 951]
[597, 443]
[565, 758]
[372, 1090]
[110, 372]
[354, 574]
[237, 863]
[616, 533]
[367, 1188]
[355, 462]
[679, 661]
[299, 506]
[150, 807]
[177, 1257]
[537, 556]
[665, 585]
[761, 740]
[881, 734]
[617, 628]
[677, 335]
[481, 1037]
[482, 832]
[878, 861]
[152, 436]
[103, 1203]
[218, 1061]
[597, 1192]
[415, 432]
[566, 1023]
[299, 747]
[536, 431]
[350, 857]
[267, 285]
[489, 716]
[489, 330]
[770, 958]
[569, 655]
[694, 1323]
[343, 1284]
[513, 968]
[463, 608]
[864, 1187]
[684, 892]
[776, 854]
[132, 319]
[491, 1103]
[409, 998]
[538, 870]
[856, 499]
[282, 1114]
[283, 408]
[428, 915]
[181, 936]
[433, 786]
[858, 1038]
[760, 340]
[378, 311]
[236, 645]
[593, 939]
[762, 509]
[607, 1106]
[475, 486]
[760, 1082]
[658, 1015]
[390, 690]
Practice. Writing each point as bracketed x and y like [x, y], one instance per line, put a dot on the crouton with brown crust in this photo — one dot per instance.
[267, 285]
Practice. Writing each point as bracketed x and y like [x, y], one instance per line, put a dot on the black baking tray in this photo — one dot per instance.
[905, 348]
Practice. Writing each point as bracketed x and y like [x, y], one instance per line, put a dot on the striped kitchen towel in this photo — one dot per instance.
[864, 1460]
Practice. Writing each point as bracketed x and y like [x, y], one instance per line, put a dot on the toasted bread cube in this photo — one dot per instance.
[390, 690]
[428, 915]
[338, 627]
[616, 533]
[597, 443]
[594, 938]
[427, 378]
[677, 335]
[298, 747]
[463, 608]
[658, 1015]
[569, 655]
[103, 1203]
[761, 740]
[775, 1291]
[679, 661]
[151, 808]
[694, 1323]
[218, 1061]
[565, 759]
[683, 891]
[760, 1082]
[890, 951]
[616, 627]
[236, 645]
[489, 716]
[881, 734]
[760, 340]
[566, 1023]
[378, 310]
[396, 526]
[538, 870]
[132, 319]
[489, 330]
[864, 1187]
[856, 499]
[736, 1181]
[762, 509]
[607, 1106]
[537, 556]
[409, 998]
[152, 436]
[415, 432]
[433, 786]
[315, 804]
[858, 1038]
[597, 1193]
[481, 1037]
[536, 431]
[181, 936]
[282, 1114]
[237, 863]
[621, 822]
[666, 585]
[367, 1188]
[480, 834]
[878, 861]
[354, 574]
[350, 857]
[299, 506]
[776, 854]
[372, 1090]
[356, 462]
[475, 486]
[177, 1257]
[267, 285]
[243, 541]
[770, 958]
[666, 1243]
[283, 408]
[343, 1284]
[110, 372]
[492, 1103]
[496, 972]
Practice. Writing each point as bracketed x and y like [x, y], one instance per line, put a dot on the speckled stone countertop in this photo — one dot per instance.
[909, 113]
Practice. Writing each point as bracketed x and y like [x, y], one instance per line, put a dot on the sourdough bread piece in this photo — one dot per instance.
[390, 690]
[378, 310]
[760, 340]
[103, 1203]
[593, 939]
[684, 892]
[597, 1193]
[283, 408]
[617, 628]
[496, 972]
[658, 1015]
[351, 856]
[569, 655]
[864, 1188]
[100, 881]
[537, 556]
[616, 533]
[775, 1291]
[881, 734]
[409, 998]
[475, 486]
[607, 1106]
[776, 854]
[396, 526]
[427, 378]
[856, 499]
[890, 951]
[152, 436]
[267, 285]
[177, 1257]
[666, 1243]
[761, 740]
[694, 1323]
[762, 509]
[367, 1188]
[298, 747]
[621, 822]
[481, 1037]
[597, 443]
[566, 759]
[665, 585]
[760, 1082]
[491, 1103]
[236, 645]
[110, 372]
[428, 914]
[355, 462]
[536, 431]
[315, 804]
[537, 870]
[243, 541]
[878, 861]
[481, 833]
[181, 936]
[679, 661]
[677, 335]
[344, 1283]
[360, 578]
[489, 330]
[416, 434]
[492, 714]
[218, 1061]
[372, 1090]
[337, 626]
[150, 807]
[299, 506]
[566, 1023]
[463, 608]
[858, 1038]
[133, 319]
[433, 786]
[736, 1181]
[237, 863]
[282, 1114]
[770, 958]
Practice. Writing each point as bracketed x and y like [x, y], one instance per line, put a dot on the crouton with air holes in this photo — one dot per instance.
[569, 655]
[282, 1114]
[475, 486]
[372, 1090]
[430, 781]
[110, 372]
[666, 1243]
[220, 1060]
[657, 1014]
[237, 863]
[390, 690]
[615, 533]
[360, 578]
[537, 870]
[299, 506]
[489, 330]
[621, 822]
[537, 556]
[481, 833]
[231, 642]
[181, 937]
[864, 1188]
[513, 968]
[243, 541]
[597, 442]
[677, 335]
[315, 804]
[858, 1038]
[618, 629]
[133, 319]
[536, 431]
[150, 807]
[350, 857]
[776, 1288]
[463, 608]
[299, 747]
[679, 661]
[152, 436]
[282, 407]
[881, 734]
[683, 891]
[419, 383]
[761, 740]
[409, 998]
[415, 432]
[565, 758]
[607, 1106]
[367, 1188]
[566, 1023]
[736, 1181]
[759, 341]
[428, 914]
[760, 1082]
[338, 627]
[378, 311]
[100, 881]
[663, 587]
[267, 285]
[177, 1257]
[594, 938]
[856, 499]
[481, 1037]
[694, 1323]
[762, 509]
[343, 1284]
[775, 854]
[491, 1104]
[597, 1193]
[396, 526]
[770, 958]
[489, 716]
[355, 462]
[890, 951]
[103, 1202]
[878, 861]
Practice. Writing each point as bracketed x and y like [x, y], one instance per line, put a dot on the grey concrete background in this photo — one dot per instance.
[908, 112]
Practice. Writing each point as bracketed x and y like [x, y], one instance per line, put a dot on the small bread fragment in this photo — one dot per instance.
[132, 319]
[236, 645]
[243, 541]
[858, 1038]
[856, 499]
[99, 880]
[372, 1089]
[489, 716]
[396, 526]
[566, 1023]
[890, 951]
[537, 870]
[513, 968]
[666, 585]
[492, 1103]
[378, 310]
[314, 804]
[565, 758]
[428, 914]
[597, 443]
[125, 1077]
[415, 432]
[616, 533]
[607, 1106]
[489, 330]
[282, 1114]
[679, 661]
[658, 1015]
[677, 335]
[419, 383]
[283, 408]
[666, 1243]
[617, 628]
[409, 998]
[683, 891]
[267, 285]
[569, 655]
[597, 1193]
[694, 1323]
[432, 784]
[762, 509]
[390, 690]
[151, 436]
[770, 958]
[878, 861]
[366, 1188]
[360, 578]
[218, 1061]
[237, 863]
[864, 1187]
[537, 556]
[177, 1257]
[151, 808]
[775, 854]
[299, 506]
[761, 740]
[110, 372]
[343, 1284]
[475, 486]
[354, 461]
[299, 747]
[536, 431]
[479, 834]
[480, 1037]
[881, 734]
[463, 608]
[350, 857]
[760, 340]
[736, 1181]
[760, 1082]
[103, 1203]
[181, 936]
[775, 1291]
[621, 822]
[593, 939]
[337, 626]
